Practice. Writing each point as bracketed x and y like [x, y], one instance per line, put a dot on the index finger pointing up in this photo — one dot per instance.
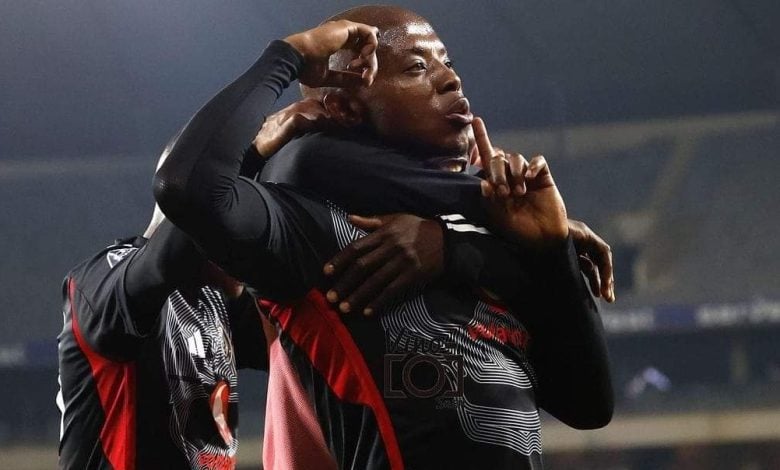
[483, 142]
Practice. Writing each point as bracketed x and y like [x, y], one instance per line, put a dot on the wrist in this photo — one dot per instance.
[299, 42]
[263, 149]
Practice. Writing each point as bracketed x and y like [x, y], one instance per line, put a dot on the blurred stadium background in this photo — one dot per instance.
[660, 120]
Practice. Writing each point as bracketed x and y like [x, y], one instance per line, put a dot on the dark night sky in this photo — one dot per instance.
[91, 77]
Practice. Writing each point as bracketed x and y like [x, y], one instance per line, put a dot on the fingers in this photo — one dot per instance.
[366, 38]
[506, 172]
[366, 223]
[318, 44]
[371, 64]
[493, 162]
[364, 267]
[517, 167]
[474, 159]
[350, 253]
[606, 271]
[342, 79]
[591, 274]
[364, 34]
[361, 71]
[537, 166]
[373, 223]
[599, 254]
[365, 297]
[484, 147]
[392, 291]
[497, 163]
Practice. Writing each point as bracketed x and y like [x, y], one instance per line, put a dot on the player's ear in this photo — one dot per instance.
[344, 108]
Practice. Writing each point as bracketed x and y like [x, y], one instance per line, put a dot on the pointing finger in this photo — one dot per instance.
[484, 146]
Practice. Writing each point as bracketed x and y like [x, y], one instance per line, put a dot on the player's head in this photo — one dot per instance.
[416, 99]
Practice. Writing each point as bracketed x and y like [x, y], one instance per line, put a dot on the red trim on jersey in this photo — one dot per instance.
[317, 329]
[491, 301]
[115, 384]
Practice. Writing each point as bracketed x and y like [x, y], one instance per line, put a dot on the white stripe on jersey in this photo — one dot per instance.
[467, 228]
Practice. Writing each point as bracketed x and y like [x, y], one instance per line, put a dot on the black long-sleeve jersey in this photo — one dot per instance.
[148, 359]
[440, 380]
[364, 176]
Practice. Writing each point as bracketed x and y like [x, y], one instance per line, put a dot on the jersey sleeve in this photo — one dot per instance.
[169, 260]
[548, 294]
[568, 348]
[117, 296]
[275, 238]
[475, 257]
[271, 237]
[367, 178]
[99, 307]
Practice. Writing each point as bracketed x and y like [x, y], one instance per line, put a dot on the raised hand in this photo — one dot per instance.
[318, 44]
[307, 115]
[521, 196]
[402, 251]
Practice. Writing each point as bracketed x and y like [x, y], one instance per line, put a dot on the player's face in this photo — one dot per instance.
[416, 99]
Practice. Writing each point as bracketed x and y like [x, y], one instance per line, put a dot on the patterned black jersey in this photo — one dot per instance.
[134, 396]
[440, 380]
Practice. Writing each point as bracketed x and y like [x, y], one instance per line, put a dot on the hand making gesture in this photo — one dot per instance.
[520, 196]
[318, 44]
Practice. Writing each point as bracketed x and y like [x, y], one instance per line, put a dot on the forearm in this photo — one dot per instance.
[195, 186]
[365, 177]
[475, 257]
[568, 348]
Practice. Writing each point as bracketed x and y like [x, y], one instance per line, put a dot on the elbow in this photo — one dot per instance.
[594, 419]
[170, 195]
[587, 418]
[584, 411]
[597, 411]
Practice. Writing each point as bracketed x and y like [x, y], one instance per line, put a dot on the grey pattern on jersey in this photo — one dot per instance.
[198, 353]
[483, 362]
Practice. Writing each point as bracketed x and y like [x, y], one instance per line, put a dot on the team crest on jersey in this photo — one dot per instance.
[115, 256]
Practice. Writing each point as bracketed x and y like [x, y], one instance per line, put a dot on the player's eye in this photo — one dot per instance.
[449, 64]
[417, 66]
